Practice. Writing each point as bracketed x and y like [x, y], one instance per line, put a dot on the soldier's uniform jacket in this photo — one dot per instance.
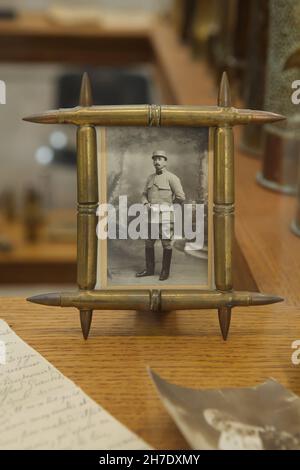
[164, 188]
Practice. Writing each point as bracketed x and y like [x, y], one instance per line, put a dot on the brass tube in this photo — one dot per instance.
[87, 178]
[153, 300]
[224, 171]
[87, 198]
[108, 300]
[223, 245]
[86, 246]
[223, 208]
[154, 115]
[87, 184]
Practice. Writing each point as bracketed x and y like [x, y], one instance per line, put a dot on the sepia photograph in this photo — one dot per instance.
[154, 217]
[263, 417]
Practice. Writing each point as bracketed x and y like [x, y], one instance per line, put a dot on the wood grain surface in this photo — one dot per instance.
[185, 348]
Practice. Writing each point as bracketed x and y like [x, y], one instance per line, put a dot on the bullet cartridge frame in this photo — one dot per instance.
[222, 118]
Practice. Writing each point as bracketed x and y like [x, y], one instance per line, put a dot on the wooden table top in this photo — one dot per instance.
[185, 348]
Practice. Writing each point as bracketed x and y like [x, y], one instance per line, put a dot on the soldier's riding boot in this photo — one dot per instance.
[149, 271]
[166, 263]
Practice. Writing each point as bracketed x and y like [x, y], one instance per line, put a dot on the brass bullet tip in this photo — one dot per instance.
[50, 117]
[86, 320]
[265, 116]
[265, 299]
[224, 98]
[224, 320]
[45, 299]
[276, 117]
[86, 98]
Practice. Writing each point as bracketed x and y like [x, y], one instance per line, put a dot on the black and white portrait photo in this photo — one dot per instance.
[154, 213]
[265, 417]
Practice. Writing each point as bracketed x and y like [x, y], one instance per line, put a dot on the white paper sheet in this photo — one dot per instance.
[42, 409]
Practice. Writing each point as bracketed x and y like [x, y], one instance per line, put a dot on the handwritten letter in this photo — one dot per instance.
[42, 409]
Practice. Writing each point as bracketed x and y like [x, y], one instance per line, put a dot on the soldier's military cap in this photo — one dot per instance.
[160, 153]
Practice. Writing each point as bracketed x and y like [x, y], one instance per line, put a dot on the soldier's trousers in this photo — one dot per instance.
[163, 232]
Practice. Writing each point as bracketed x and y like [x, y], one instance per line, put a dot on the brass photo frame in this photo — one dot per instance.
[222, 118]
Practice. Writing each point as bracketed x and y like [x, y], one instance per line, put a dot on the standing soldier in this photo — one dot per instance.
[162, 190]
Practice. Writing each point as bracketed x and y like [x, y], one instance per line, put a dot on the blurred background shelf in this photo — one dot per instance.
[49, 259]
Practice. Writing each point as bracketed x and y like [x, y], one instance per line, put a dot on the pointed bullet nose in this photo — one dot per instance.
[224, 99]
[33, 118]
[45, 299]
[86, 98]
[272, 299]
[264, 299]
[273, 117]
[267, 117]
[86, 320]
[50, 117]
[277, 117]
[224, 320]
